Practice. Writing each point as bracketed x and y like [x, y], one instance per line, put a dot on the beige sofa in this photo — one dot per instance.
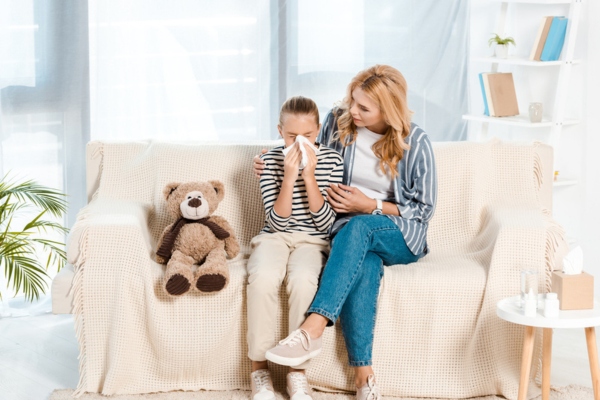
[437, 334]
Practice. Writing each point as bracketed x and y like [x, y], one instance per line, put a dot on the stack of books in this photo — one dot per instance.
[499, 96]
[550, 39]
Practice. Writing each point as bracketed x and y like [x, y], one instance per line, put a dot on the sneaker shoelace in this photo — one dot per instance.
[299, 383]
[373, 389]
[261, 380]
[298, 336]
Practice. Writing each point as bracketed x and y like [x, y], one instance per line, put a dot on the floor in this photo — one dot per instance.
[39, 354]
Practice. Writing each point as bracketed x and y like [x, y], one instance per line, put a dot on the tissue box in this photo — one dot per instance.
[575, 292]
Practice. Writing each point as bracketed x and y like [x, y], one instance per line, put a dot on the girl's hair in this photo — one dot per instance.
[299, 105]
[385, 86]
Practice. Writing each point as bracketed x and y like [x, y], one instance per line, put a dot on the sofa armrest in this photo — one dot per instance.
[520, 238]
[62, 295]
[116, 214]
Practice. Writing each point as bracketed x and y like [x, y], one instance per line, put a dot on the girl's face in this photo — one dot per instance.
[366, 113]
[298, 125]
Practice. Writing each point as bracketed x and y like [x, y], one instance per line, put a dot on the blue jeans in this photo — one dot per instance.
[349, 286]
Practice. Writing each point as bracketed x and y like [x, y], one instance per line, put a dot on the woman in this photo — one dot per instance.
[384, 206]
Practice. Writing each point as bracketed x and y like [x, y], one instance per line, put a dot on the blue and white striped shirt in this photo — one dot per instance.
[415, 187]
[329, 170]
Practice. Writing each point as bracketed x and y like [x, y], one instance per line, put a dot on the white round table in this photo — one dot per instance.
[509, 309]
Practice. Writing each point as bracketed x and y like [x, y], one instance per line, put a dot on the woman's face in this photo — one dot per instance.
[366, 113]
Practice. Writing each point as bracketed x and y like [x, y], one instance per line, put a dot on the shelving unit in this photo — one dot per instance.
[517, 120]
[517, 60]
[552, 125]
[565, 182]
[566, 62]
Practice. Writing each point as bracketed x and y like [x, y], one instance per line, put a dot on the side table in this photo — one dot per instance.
[509, 310]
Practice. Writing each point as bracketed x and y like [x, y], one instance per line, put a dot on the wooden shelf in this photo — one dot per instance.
[520, 60]
[517, 120]
[534, 1]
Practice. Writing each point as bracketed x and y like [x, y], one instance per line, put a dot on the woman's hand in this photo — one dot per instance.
[311, 165]
[259, 164]
[348, 199]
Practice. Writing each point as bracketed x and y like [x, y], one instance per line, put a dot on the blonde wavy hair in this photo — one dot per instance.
[387, 88]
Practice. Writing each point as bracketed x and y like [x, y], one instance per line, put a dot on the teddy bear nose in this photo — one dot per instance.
[195, 202]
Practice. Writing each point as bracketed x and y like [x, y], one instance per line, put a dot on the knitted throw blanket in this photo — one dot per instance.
[436, 334]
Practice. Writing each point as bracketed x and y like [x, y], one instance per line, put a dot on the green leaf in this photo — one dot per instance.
[19, 249]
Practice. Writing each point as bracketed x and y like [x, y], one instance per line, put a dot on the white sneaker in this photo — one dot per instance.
[262, 385]
[297, 386]
[370, 391]
[295, 349]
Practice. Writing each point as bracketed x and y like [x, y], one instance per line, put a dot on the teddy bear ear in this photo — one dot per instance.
[219, 189]
[170, 188]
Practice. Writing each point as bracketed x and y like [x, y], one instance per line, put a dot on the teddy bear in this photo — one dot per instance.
[197, 237]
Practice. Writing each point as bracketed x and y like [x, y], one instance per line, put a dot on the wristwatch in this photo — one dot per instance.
[379, 208]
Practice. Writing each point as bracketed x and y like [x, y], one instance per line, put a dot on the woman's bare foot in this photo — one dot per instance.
[361, 374]
[315, 325]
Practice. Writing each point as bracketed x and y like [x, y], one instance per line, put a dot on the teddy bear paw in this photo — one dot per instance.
[211, 282]
[177, 285]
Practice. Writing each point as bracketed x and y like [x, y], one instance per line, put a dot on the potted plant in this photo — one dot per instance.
[501, 49]
[24, 235]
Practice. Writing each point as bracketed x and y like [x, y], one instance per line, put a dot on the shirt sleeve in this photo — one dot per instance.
[424, 180]
[269, 189]
[325, 217]
[328, 128]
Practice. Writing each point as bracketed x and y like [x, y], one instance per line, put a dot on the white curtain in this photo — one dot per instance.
[75, 70]
[44, 101]
[206, 70]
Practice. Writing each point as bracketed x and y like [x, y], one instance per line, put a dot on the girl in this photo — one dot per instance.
[291, 246]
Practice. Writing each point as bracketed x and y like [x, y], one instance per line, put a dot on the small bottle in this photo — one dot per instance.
[551, 305]
[530, 304]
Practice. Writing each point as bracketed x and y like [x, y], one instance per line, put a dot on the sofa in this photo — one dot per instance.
[437, 334]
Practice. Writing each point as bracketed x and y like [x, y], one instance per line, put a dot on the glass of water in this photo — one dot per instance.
[529, 283]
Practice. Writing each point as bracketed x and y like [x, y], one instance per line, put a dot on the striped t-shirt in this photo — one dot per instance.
[330, 166]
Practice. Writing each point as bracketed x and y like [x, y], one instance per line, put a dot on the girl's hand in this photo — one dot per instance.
[291, 163]
[311, 165]
[259, 164]
[348, 199]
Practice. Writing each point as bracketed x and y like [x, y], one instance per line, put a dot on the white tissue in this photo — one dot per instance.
[302, 140]
[573, 262]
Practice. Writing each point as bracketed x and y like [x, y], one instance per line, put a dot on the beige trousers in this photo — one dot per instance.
[293, 258]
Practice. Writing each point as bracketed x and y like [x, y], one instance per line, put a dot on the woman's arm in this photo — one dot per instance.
[258, 164]
[348, 199]
[424, 179]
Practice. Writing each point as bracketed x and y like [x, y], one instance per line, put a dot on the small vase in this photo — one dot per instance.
[501, 51]
[535, 112]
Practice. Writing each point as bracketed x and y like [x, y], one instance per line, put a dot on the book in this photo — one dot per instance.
[555, 39]
[486, 86]
[540, 40]
[485, 104]
[502, 94]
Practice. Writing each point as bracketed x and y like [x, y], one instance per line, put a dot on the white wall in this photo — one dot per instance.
[590, 235]
[577, 208]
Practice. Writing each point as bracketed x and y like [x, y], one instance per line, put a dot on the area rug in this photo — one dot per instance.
[571, 392]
